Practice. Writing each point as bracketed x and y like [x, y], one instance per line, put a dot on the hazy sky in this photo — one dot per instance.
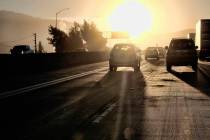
[168, 15]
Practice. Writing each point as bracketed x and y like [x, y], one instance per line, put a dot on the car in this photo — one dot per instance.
[181, 52]
[21, 49]
[151, 52]
[124, 55]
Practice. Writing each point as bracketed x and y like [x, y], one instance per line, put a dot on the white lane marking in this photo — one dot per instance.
[204, 62]
[99, 118]
[46, 84]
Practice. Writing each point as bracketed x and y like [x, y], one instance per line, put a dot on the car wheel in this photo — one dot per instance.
[136, 68]
[114, 68]
[195, 67]
[168, 68]
[201, 56]
[111, 68]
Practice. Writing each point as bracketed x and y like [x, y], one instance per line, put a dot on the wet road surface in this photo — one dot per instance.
[151, 104]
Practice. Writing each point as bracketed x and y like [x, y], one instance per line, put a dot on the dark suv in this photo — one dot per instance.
[181, 52]
[124, 55]
[21, 49]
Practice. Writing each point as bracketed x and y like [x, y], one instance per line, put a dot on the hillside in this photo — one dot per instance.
[19, 28]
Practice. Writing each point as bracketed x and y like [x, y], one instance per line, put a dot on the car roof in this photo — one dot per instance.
[153, 48]
[21, 46]
[124, 44]
[181, 39]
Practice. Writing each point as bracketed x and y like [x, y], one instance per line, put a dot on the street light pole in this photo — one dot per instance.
[56, 22]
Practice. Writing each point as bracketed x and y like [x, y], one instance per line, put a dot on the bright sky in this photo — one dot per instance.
[133, 16]
[167, 15]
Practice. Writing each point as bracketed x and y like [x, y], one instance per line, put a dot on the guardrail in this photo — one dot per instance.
[30, 63]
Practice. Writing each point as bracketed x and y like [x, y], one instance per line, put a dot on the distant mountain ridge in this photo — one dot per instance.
[182, 33]
[10, 14]
[17, 28]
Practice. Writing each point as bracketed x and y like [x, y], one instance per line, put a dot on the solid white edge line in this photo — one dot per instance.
[46, 84]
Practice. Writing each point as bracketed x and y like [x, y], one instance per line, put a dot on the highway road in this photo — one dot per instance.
[91, 103]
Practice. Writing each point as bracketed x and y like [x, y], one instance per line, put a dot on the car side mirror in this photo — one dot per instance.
[166, 47]
[196, 47]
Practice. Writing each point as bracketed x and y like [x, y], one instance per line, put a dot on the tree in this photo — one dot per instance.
[40, 48]
[58, 39]
[93, 37]
[66, 43]
[75, 40]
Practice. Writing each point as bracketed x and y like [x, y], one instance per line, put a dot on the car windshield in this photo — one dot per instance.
[182, 45]
[152, 50]
[124, 48]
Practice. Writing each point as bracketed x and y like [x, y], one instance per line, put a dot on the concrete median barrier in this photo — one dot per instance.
[31, 63]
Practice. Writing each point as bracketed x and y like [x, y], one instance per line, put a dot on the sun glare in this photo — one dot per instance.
[132, 17]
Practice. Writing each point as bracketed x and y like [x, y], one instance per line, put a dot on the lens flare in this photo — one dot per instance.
[131, 17]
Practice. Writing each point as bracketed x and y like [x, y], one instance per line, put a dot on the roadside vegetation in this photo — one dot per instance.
[84, 37]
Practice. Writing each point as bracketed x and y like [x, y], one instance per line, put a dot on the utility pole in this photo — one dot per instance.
[35, 43]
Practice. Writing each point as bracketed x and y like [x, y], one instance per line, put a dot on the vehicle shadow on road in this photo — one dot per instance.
[194, 79]
[129, 124]
[155, 62]
[125, 121]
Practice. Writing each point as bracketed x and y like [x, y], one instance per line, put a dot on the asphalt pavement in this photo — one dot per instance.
[125, 105]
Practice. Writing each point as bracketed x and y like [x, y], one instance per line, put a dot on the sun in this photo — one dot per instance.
[132, 17]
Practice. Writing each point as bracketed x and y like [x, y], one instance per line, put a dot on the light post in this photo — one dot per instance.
[56, 24]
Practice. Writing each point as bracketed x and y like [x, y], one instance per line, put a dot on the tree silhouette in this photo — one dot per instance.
[75, 40]
[40, 48]
[58, 40]
[93, 37]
